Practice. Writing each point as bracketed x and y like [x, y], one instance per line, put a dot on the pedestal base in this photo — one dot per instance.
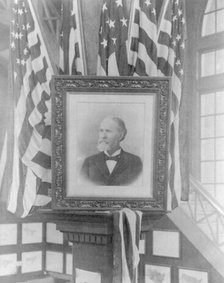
[91, 234]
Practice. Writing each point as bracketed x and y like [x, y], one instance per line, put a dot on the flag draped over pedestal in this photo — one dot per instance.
[126, 238]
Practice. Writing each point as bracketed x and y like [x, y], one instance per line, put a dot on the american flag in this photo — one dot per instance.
[113, 34]
[31, 75]
[72, 59]
[142, 49]
[126, 238]
[170, 50]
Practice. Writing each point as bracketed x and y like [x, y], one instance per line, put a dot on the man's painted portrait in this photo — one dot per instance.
[112, 166]
[110, 151]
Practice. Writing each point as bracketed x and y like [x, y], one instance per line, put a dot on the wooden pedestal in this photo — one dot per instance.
[92, 244]
[92, 236]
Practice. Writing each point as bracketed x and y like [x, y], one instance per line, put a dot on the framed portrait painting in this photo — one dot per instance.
[110, 139]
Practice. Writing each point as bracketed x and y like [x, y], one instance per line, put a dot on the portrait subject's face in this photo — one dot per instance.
[109, 136]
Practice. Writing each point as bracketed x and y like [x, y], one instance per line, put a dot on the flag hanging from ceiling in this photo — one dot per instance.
[142, 49]
[113, 34]
[31, 75]
[72, 59]
[170, 50]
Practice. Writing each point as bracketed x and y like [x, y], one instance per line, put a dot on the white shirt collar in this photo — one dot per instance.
[117, 152]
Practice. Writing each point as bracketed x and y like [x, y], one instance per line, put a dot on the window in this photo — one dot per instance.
[213, 17]
[212, 141]
[210, 88]
[212, 63]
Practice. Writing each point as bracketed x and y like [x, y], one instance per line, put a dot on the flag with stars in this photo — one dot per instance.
[113, 34]
[142, 49]
[72, 59]
[31, 75]
[170, 50]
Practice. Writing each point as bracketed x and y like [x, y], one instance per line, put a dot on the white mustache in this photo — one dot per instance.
[102, 145]
[102, 141]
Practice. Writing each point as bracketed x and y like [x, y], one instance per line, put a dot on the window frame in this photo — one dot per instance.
[201, 85]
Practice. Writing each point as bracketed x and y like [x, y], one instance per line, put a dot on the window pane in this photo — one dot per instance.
[220, 21]
[207, 127]
[220, 172]
[208, 26]
[207, 172]
[210, 6]
[207, 104]
[220, 61]
[220, 126]
[220, 149]
[220, 102]
[207, 150]
[208, 64]
[220, 4]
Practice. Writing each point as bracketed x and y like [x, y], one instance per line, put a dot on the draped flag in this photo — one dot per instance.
[170, 50]
[72, 59]
[142, 49]
[126, 238]
[31, 75]
[113, 34]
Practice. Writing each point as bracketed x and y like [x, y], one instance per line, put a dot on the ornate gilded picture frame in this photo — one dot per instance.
[110, 142]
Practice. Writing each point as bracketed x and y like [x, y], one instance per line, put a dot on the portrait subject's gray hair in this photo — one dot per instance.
[121, 126]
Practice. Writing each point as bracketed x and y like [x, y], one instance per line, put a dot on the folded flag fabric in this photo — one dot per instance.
[126, 236]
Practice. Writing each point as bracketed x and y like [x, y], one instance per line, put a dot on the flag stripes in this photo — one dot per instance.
[31, 176]
[142, 50]
[170, 50]
[127, 228]
[72, 59]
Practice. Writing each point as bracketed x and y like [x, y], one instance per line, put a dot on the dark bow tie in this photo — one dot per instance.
[114, 158]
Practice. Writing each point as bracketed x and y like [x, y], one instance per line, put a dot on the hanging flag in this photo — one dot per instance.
[31, 75]
[142, 49]
[170, 50]
[72, 59]
[112, 54]
[126, 239]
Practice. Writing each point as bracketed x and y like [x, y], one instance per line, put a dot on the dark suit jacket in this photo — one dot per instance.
[126, 171]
